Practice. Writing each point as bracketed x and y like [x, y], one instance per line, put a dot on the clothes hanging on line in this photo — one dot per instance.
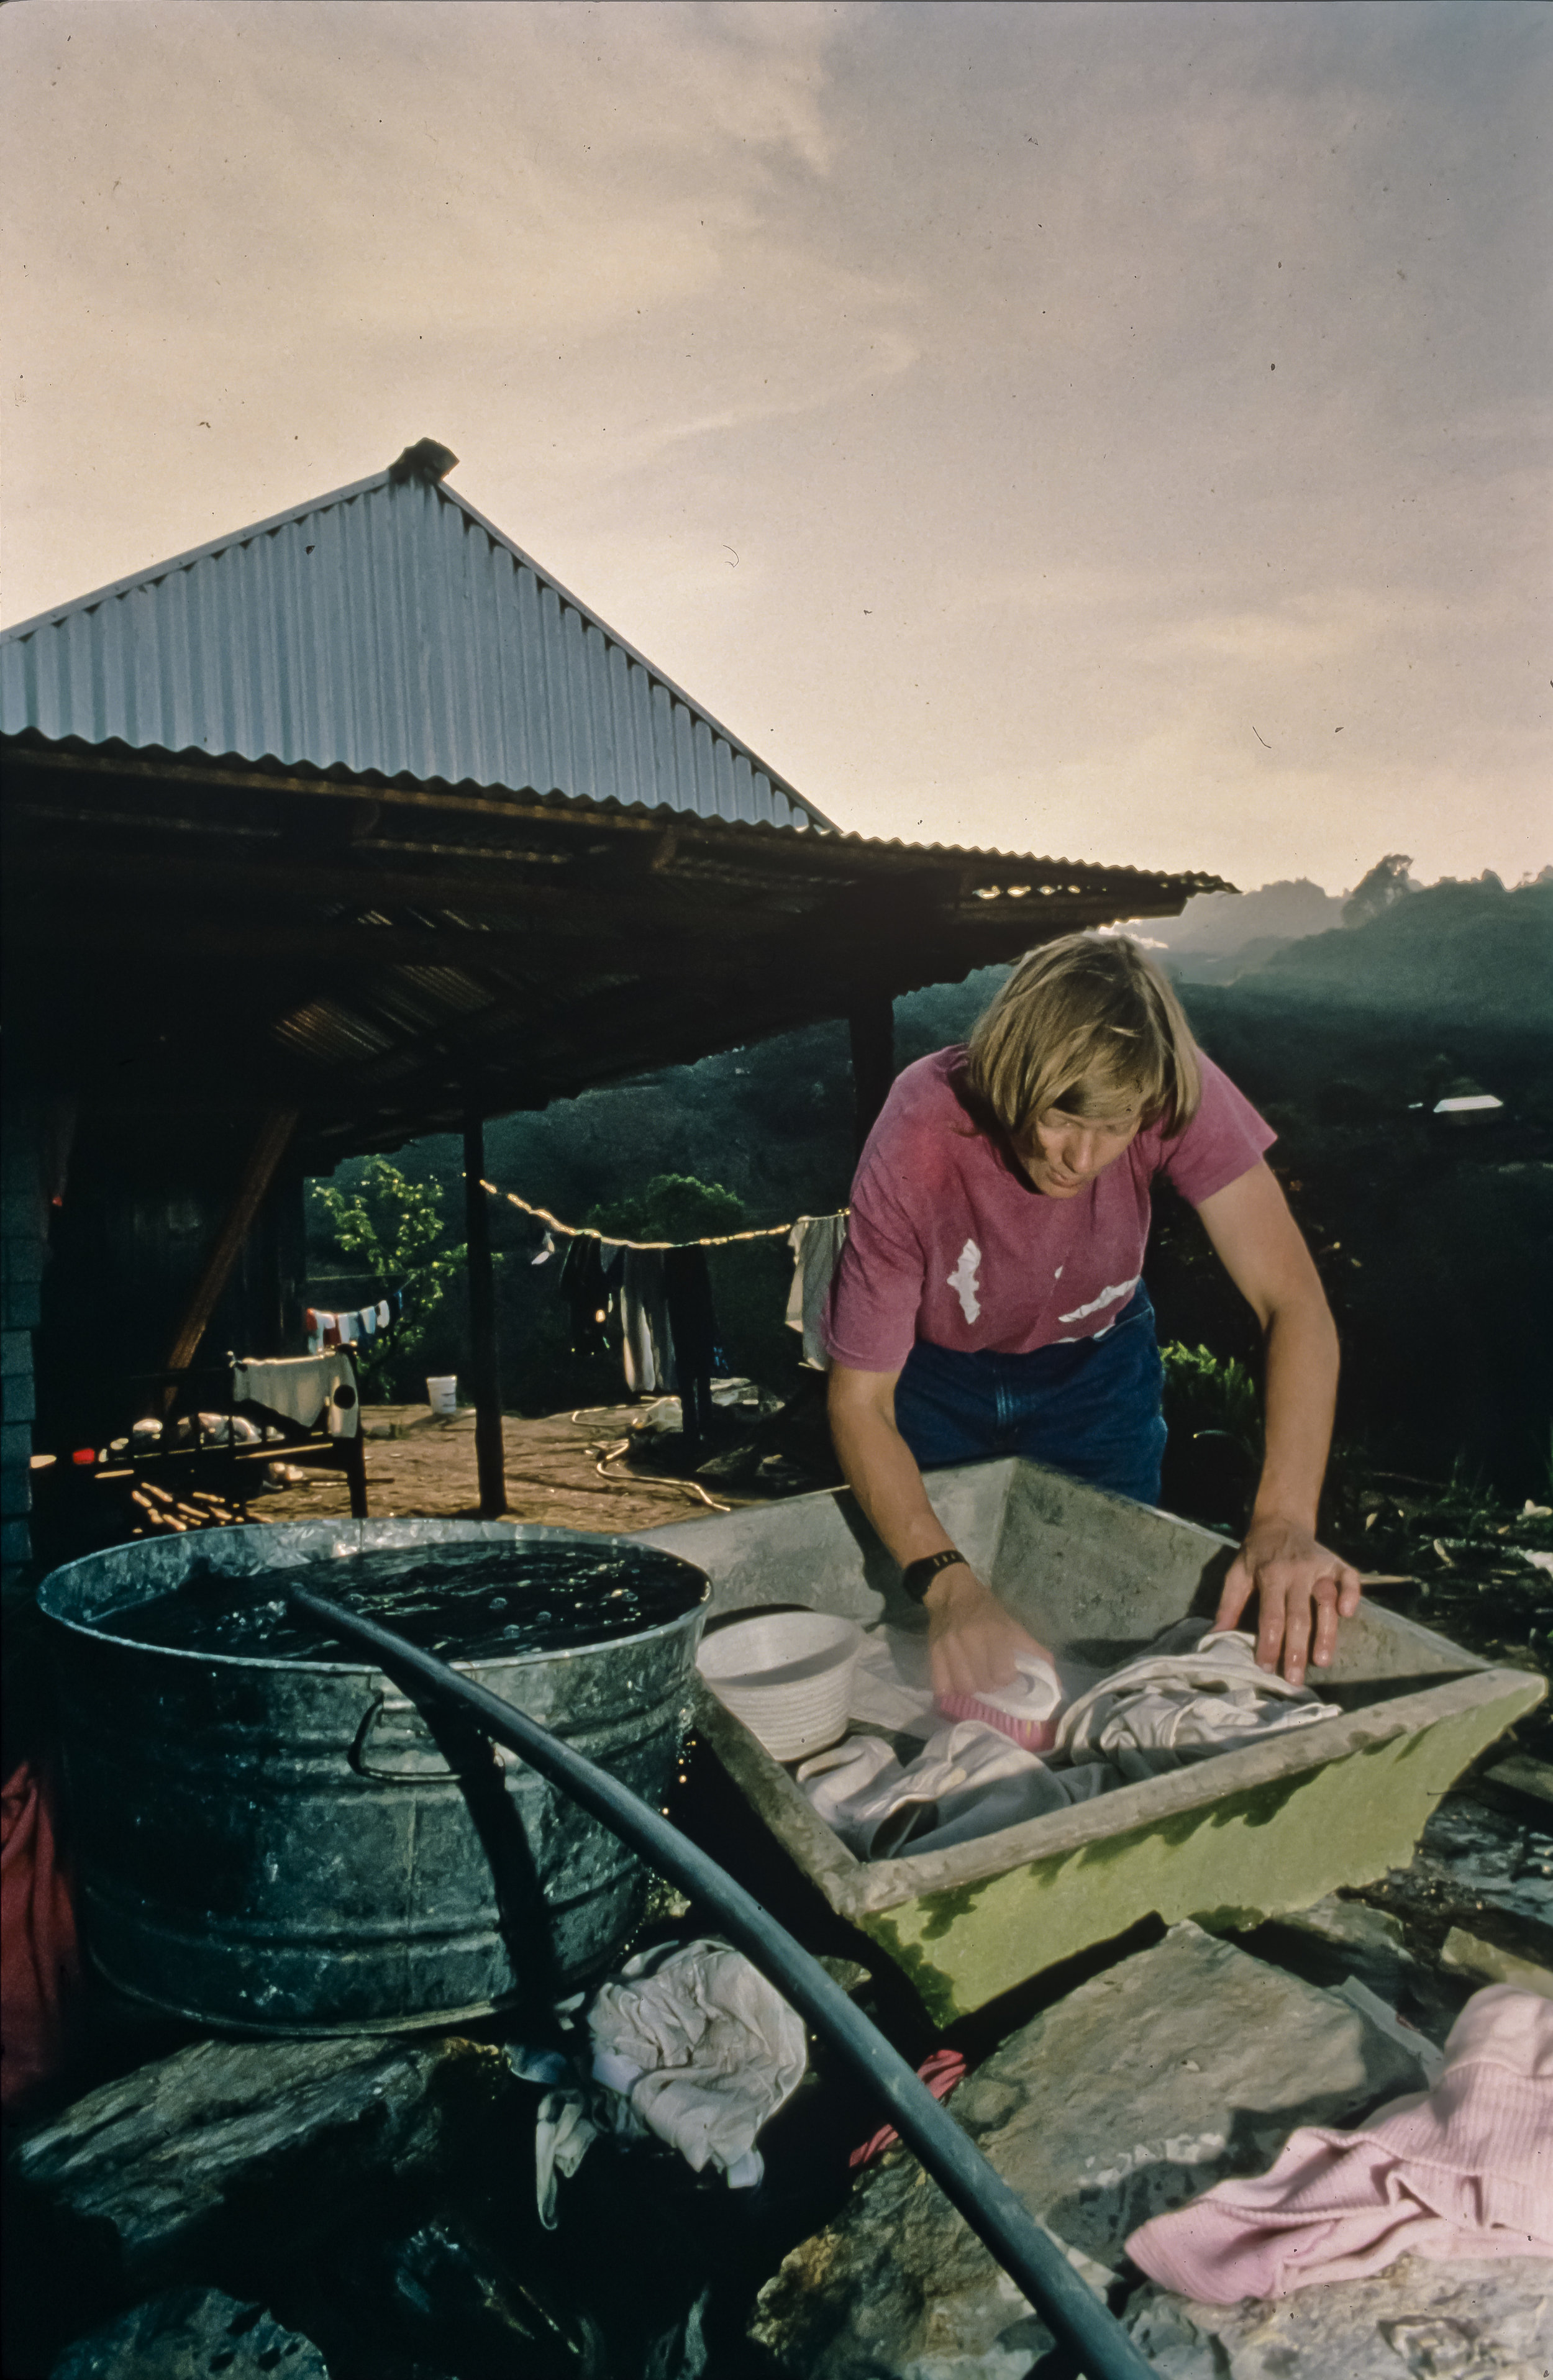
[693, 1335]
[816, 1241]
[327, 1330]
[1464, 2169]
[582, 1285]
[648, 1350]
[301, 1387]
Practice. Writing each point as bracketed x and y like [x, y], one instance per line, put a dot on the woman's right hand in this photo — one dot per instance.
[972, 1640]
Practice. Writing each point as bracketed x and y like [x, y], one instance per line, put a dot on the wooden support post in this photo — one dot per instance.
[871, 1025]
[486, 1379]
[274, 1138]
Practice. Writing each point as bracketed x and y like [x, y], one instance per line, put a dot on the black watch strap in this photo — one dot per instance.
[919, 1576]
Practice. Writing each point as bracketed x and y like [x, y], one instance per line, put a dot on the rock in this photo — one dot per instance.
[1484, 2320]
[1480, 1869]
[1338, 1941]
[136, 2178]
[1487, 1962]
[1531, 1780]
[1179, 2066]
[191, 2334]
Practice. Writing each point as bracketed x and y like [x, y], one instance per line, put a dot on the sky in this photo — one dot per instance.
[1118, 432]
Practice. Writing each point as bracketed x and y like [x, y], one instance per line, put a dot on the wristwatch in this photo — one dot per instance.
[919, 1576]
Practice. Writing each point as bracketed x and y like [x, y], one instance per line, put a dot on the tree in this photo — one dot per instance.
[1387, 884]
[392, 1228]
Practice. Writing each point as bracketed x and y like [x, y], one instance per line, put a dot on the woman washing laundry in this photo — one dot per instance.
[989, 1299]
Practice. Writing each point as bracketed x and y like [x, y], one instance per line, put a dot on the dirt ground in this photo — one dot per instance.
[566, 1470]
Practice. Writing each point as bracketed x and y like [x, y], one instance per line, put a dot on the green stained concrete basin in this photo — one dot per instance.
[1228, 1841]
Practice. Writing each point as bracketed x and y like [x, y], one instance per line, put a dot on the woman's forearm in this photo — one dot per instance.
[1301, 1398]
[883, 1475]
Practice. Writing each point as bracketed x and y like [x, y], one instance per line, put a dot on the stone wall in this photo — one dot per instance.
[23, 1248]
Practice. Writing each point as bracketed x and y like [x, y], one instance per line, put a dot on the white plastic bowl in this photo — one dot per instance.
[787, 1675]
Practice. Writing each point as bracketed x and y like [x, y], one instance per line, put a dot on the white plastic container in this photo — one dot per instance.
[787, 1675]
[442, 1394]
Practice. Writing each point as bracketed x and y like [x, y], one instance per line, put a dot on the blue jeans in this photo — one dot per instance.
[1090, 1408]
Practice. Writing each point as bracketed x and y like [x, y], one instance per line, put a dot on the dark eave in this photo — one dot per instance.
[183, 933]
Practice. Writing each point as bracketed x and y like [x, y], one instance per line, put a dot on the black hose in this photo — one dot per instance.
[1027, 2253]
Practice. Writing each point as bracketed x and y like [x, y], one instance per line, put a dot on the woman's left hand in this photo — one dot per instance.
[1301, 1590]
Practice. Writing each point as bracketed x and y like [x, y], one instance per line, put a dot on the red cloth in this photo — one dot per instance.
[947, 1243]
[941, 2072]
[39, 1960]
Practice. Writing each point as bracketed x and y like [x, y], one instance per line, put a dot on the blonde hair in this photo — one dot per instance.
[1090, 1027]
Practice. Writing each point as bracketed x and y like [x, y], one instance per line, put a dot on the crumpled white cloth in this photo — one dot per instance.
[1194, 1693]
[704, 2049]
[969, 1779]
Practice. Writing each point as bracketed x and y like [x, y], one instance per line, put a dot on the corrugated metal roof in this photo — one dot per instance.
[387, 628]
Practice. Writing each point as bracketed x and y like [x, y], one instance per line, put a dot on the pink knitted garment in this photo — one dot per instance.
[1465, 2169]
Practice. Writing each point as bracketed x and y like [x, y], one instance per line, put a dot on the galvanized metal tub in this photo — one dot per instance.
[1226, 1841]
[285, 1847]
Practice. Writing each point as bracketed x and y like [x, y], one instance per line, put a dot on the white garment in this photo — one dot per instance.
[1194, 1693]
[648, 1350]
[970, 1779]
[705, 2049]
[300, 1387]
[816, 1241]
[891, 1685]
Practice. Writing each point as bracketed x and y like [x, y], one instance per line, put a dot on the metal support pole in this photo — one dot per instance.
[486, 1379]
[871, 1027]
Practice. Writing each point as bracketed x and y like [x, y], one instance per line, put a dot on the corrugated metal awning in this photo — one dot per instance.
[388, 630]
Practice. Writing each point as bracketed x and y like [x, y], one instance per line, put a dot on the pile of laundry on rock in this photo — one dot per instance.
[1059, 1735]
[690, 2044]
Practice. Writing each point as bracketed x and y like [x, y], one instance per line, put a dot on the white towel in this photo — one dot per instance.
[816, 1241]
[299, 1388]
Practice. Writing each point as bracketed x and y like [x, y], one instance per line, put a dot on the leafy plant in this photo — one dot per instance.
[392, 1228]
[1212, 1396]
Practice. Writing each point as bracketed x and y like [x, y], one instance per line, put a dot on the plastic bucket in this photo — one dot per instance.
[787, 1675]
[442, 1394]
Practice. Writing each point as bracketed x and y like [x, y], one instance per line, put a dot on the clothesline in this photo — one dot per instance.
[609, 1240]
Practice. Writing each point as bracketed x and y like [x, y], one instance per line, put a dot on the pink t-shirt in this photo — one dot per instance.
[949, 1242]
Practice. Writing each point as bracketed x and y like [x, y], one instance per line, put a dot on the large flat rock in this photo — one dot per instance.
[1491, 2319]
[1186, 2063]
[190, 2334]
[137, 2175]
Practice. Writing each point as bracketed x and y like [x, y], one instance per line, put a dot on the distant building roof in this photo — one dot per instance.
[388, 629]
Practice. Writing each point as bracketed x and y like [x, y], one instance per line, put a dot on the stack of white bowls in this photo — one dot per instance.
[787, 1675]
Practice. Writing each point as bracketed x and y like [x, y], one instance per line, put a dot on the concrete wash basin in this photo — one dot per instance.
[1228, 1841]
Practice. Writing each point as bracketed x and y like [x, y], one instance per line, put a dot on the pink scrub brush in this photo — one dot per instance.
[1025, 1708]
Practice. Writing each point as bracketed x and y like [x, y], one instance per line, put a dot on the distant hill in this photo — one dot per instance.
[1220, 925]
[1472, 953]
